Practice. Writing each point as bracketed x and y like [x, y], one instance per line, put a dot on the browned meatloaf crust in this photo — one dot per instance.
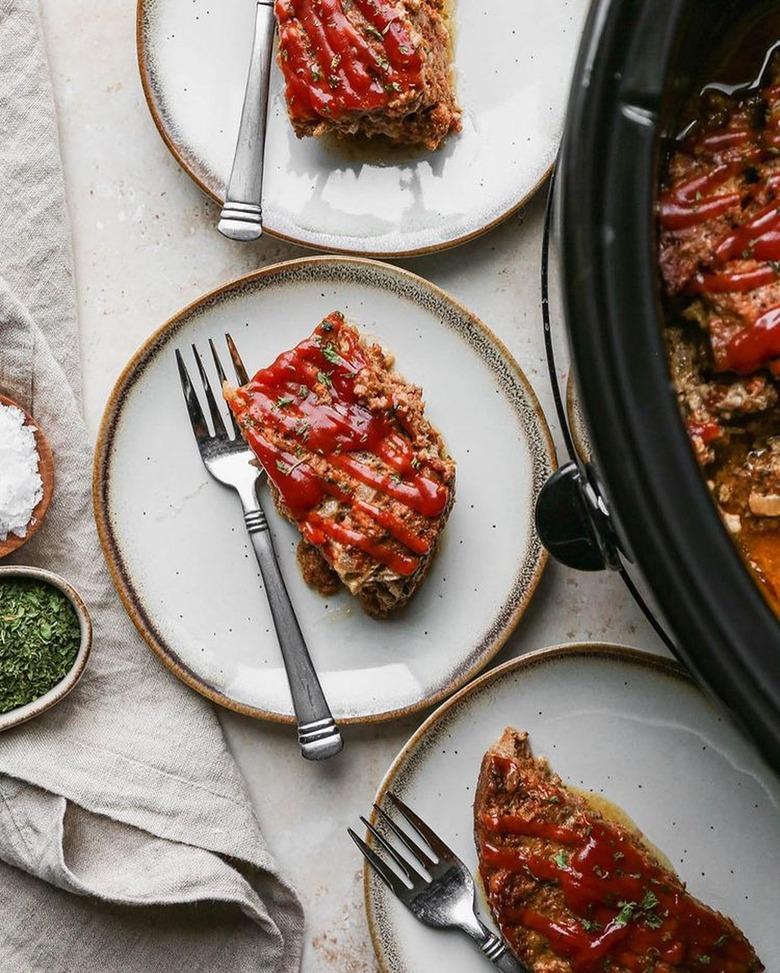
[352, 461]
[368, 67]
[575, 893]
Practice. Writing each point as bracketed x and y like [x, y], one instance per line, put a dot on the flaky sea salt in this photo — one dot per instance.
[20, 482]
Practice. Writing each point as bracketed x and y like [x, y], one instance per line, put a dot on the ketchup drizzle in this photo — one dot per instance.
[333, 69]
[755, 241]
[627, 912]
[308, 395]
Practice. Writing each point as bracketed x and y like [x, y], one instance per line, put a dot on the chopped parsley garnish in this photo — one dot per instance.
[283, 467]
[303, 391]
[650, 901]
[315, 72]
[652, 920]
[589, 926]
[626, 914]
[324, 379]
[283, 401]
[370, 29]
[561, 858]
[704, 959]
[331, 355]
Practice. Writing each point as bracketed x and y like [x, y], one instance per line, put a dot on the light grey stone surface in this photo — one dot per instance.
[145, 245]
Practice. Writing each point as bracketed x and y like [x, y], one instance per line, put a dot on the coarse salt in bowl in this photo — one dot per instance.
[26, 476]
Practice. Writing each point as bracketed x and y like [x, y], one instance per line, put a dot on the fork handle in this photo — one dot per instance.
[495, 950]
[242, 215]
[318, 734]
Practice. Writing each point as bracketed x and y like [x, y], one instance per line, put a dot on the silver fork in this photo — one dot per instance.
[231, 462]
[438, 890]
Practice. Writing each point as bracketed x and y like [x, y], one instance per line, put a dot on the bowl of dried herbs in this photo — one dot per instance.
[45, 639]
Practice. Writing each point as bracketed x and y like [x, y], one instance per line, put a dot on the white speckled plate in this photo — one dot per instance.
[175, 539]
[623, 724]
[513, 62]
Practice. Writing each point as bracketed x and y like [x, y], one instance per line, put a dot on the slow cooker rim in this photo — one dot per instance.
[642, 451]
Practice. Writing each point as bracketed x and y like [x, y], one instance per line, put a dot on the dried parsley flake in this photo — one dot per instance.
[39, 640]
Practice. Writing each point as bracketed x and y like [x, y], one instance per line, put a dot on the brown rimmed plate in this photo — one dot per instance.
[175, 541]
[513, 63]
[630, 727]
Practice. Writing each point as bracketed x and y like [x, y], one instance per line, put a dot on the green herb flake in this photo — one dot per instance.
[331, 355]
[650, 901]
[589, 926]
[704, 959]
[39, 640]
[561, 859]
[324, 379]
[626, 914]
[283, 401]
[283, 467]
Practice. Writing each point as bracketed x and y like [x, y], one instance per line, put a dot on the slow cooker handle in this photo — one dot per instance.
[571, 517]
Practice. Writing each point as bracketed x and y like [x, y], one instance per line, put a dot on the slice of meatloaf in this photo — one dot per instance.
[352, 461]
[368, 67]
[575, 893]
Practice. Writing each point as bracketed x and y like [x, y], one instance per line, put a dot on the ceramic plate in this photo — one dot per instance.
[620, 723]
[513, 63]
[175, 539]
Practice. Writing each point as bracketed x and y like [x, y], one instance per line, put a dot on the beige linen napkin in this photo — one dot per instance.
[127, 839]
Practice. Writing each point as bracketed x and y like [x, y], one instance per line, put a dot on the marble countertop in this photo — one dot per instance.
[145, 245]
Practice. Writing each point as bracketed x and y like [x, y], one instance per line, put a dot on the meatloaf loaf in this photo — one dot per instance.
[352, 461]
[575, 893]
[368, 67]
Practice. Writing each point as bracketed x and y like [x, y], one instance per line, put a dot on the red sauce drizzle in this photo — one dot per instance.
[695, 201]
[752, 348]
[333, 69]
[628, 910]
[336, 426]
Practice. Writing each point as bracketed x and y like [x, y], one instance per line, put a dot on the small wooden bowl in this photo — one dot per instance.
[46, 470]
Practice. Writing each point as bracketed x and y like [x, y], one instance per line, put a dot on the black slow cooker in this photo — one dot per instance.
[641, 505]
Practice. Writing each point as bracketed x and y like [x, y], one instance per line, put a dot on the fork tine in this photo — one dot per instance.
[422, 829]
[398, 859]
[238, 365]
[388, 876]
[404, 838]
[222, 380]
[199, 426]
[216, 415]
